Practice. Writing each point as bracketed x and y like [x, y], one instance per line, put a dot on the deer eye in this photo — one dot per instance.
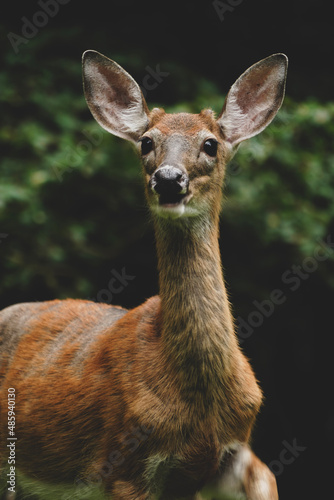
[146, 145]
[210, 147]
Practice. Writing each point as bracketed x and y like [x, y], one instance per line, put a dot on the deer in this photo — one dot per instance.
[156, 402]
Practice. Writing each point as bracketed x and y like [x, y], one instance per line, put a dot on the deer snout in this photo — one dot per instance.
[170, 183]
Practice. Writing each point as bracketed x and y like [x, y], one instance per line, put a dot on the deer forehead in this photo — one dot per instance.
[186, 124]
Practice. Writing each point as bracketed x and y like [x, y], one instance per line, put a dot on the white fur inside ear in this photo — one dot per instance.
[233, 117]
[236, 123]
[132, 120]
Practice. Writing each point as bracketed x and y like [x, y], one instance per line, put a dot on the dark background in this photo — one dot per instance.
[63, 235]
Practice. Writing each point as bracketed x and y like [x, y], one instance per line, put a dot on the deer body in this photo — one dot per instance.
[155, 402]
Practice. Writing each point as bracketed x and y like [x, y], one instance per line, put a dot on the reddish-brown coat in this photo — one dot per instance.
[75, 403]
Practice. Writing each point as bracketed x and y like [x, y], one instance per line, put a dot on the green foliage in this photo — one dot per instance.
[71, 195]
[283, 182]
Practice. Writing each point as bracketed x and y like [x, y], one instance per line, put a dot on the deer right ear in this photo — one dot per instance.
[113, 97]
[254, 99]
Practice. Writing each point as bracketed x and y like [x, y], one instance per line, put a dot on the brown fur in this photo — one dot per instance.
[131, 384]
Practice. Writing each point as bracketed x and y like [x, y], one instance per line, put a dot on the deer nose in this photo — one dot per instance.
[169, 182]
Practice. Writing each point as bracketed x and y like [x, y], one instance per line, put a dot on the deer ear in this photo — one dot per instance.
[254, 99]
[113, 97]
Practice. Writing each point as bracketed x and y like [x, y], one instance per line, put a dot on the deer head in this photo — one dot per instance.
[184, 155]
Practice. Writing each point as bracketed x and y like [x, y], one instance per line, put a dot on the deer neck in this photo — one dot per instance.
[197, 328]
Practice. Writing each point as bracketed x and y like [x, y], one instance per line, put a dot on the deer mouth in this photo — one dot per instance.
[172, 200]
[173, 207]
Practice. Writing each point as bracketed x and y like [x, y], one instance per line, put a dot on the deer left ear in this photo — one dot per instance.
[113, 96]
[254, 99]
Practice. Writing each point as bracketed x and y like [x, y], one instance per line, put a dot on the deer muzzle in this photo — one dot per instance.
[170, 183]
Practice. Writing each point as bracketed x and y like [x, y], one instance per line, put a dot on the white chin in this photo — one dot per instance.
[170, 211]
[175, 211]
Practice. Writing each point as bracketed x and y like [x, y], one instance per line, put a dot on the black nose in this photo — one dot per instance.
[170, 183]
